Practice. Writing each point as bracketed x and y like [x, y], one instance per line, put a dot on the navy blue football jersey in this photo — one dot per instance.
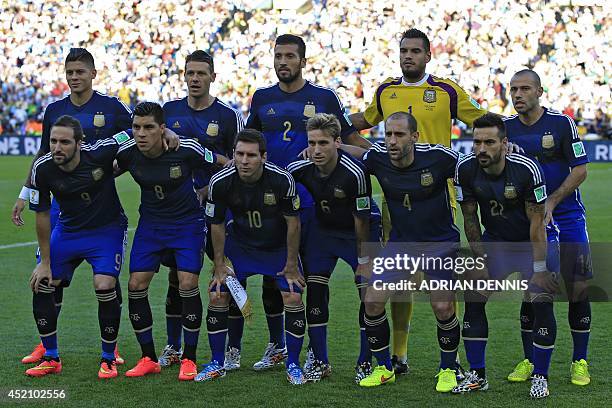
[166, 185]
[417, 196]
[553, 141]
[502, 198]
[87, 196]
[257, 209]
[101, 117]
[346, 192]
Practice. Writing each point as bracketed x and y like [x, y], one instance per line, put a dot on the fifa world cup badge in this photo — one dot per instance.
[269, 199]
[427, 179]
[212, 129]
[97, 174]
[548, 141]
[175, 172]
[98, 120]
[309, 110]
[510, 192]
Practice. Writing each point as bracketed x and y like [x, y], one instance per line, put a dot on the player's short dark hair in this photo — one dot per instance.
[292, 39]
[201, 56]
[534, 76]
[251, 136]
[72, 123]
[408, 117]
[81, 55]
[150, 109]
[491, 120]
[416, 33]
[325, 122]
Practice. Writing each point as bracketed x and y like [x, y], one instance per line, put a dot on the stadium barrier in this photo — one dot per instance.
[13, 145]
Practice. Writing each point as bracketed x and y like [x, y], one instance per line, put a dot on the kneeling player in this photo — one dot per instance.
[510, 191]
[346, 218]
[91, 227]
[170, 223]
[264, 239]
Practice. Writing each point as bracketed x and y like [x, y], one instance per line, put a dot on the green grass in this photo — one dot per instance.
[79, 336]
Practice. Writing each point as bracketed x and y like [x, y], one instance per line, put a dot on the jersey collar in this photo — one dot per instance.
[421, 82]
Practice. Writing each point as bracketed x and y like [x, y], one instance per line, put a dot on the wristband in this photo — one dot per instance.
[539, 266]
[24, 194]
[362, 260]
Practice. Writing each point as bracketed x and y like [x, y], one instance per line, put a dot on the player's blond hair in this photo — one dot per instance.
[325, 122]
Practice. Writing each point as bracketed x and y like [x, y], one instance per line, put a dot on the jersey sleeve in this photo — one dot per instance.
[573, 148]
[290, 201]
[123, 120]
[216, 206]
[449, 159]
[373, 113]
[253, 121]
[336, 108]
[200, 157]
[40, 195]
[297, 169]
[46, 132]
[363, 194]
[535, 183]
[237, 124]
[370, 157]
[463, 181]
[468, 110]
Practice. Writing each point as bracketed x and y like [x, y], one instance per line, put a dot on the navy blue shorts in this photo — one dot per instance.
[180, 246]
[251, 261]
[576, 262]
[103, 248]
[323, 248]
[54, 213]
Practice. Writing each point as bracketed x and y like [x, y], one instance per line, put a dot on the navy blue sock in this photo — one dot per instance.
[295, 331]
[216, 323]
[235, 326]
[142, 321]
[527, 329]
[273, 307]
[191, 320]
[378, 334]
[365, 354]
[579, 316]
[475, 329]
[544, 335]
[448, 340]
[45, 315]
[174, 310]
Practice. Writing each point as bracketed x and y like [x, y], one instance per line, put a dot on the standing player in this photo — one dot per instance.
[413, 176]
[264, 238]
[171, 223]
[552, 139]
[100, 116]
[346, 218]
[510, 192]
[91, 227]
[214, 124]
[280, 112]
[434, 102]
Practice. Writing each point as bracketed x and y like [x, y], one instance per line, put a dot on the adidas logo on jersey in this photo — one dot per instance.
[393, 96]
[176, 124]
[271, 112]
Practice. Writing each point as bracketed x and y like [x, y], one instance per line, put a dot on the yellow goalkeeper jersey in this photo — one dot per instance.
[433, 101]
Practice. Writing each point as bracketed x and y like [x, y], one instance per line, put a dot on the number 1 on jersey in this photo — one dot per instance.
[287, 126]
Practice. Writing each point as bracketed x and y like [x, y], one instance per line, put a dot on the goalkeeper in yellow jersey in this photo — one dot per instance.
[434, 102]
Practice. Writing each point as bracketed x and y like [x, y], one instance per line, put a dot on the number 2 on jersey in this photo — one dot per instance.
[287, 126]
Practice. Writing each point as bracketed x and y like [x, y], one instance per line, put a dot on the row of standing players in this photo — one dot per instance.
[297, 99]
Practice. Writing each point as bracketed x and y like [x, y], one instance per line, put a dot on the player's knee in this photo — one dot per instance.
[222, 300]
[104, 282]
[292, 299]
[443, 310]
[374, 308]
[138, 281]
[187, 280]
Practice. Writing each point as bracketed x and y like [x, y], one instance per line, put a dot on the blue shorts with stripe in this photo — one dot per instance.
[103, 248]
[179, 246]
[249, 261]
[54, 213]
[575, 252]
[323, 247]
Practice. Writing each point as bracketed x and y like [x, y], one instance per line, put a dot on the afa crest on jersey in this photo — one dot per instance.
[98, 120]
[427, 179]
[309, 110]
[548, 141]
[212, 129]
[175, 172]
[97, 174]
[509, 192]
[269, 199]
[429, 95]
[339, 193]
